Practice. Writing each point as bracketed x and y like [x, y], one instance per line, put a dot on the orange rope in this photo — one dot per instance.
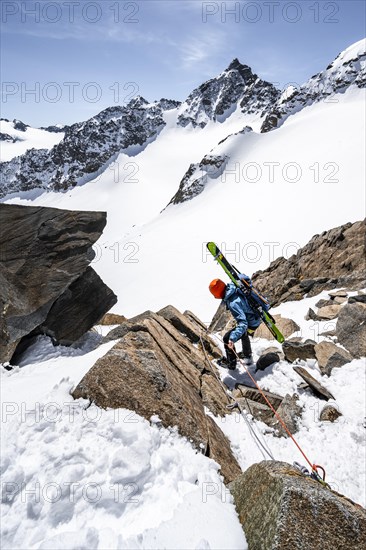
[312, 466]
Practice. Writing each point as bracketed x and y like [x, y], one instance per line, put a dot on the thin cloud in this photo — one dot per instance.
[196, 50]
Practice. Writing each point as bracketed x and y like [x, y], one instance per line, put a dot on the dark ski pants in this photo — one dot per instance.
[245, 342]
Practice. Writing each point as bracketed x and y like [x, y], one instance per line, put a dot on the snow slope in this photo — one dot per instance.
[75, 476]
[31, 138]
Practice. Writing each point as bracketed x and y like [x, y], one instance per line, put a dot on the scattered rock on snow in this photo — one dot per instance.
[361, 298]
[323, 303]
[285, 325]
[257, 410]
[338, 294]
[290, 412]
[253, 401]
[112, 319]
[329, 312]
[329, 414]
[242, 391]
[339, 300]
[351, 328]
[311, 315]
[274, 349]
[294, 349]
[266, 360]
[315, 386]
[330, 356]
[282, 509]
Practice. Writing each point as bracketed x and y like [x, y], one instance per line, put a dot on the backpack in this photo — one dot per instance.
[254, 298]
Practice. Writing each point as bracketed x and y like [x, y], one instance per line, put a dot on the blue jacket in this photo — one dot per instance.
[243, 314]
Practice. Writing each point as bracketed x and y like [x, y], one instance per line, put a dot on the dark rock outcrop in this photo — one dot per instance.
[156, 369]
[46, 284]
[267, 360]
[351, 328]
[196, 178]
[6, 137]
[333, 259]
[282, 509]
[20, 126]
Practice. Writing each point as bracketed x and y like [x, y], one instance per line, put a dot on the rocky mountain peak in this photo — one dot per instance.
[244, 70]
[216, 98]
[137, 102]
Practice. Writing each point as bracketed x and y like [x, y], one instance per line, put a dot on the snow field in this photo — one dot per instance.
[31, 138]
[75, 476]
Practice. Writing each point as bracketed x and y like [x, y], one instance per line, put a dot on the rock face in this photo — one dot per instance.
[351, 328]
[214, 99]
[195, 179]
[282, 509]
[336, 258]
[348, 69]
[46, 284]
[156, 369]
[86, 148]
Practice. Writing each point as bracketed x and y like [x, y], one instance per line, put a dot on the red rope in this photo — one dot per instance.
[312, 466]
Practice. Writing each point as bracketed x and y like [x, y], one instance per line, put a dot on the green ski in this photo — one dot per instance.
[253, 297]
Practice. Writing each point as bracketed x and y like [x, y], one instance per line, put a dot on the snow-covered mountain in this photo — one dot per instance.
[169, 186]
[86, 147]
[84, 150]
[16, 138]
[261, 195]
[236, 87]
[349, 68]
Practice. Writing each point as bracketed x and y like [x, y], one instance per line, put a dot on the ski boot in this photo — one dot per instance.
[223, 362]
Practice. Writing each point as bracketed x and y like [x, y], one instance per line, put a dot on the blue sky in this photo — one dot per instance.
[64, 61]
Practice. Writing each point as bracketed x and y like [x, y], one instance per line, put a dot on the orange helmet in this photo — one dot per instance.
[217, 288]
